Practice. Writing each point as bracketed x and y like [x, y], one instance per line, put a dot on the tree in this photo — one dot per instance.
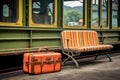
[72, 16]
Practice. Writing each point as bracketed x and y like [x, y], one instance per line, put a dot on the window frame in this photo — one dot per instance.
[32, 24]
[100, 17]
[84, 26]
[19, 19]
[115, 27]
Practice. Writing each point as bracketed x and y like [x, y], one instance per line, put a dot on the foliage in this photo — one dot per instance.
[72, 16]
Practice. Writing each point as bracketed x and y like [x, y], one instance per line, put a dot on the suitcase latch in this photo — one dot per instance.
[48, 60]
[26, 63]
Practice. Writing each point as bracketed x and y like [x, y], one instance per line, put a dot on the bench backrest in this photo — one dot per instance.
[79, 38]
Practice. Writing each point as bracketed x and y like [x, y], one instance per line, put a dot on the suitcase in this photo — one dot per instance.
[41, 62]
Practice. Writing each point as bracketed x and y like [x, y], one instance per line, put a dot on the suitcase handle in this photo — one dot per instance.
[43, 49]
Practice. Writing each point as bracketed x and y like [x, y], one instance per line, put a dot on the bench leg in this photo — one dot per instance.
[75, 61]
[96, 57]
[65, 60]
[110, 60]
[106, 53]
[70, 57]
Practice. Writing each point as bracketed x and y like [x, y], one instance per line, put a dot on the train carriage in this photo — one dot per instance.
[26, 25]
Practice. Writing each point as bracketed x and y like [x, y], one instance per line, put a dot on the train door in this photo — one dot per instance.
[11, 13]
[43, 13]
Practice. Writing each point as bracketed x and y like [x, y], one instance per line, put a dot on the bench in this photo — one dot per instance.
[75, 42]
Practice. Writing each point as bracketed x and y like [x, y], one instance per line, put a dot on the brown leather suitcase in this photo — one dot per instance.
[41, 62]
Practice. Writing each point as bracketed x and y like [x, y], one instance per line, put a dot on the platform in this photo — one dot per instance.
[89, 69]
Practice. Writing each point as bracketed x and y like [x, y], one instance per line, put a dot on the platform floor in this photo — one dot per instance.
[89, 70]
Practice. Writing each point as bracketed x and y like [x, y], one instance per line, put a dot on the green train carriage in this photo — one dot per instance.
[28, 24]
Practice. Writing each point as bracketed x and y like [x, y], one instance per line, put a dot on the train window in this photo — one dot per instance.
[73, 13]
[115, 14]
[95, 13]
[10, 10]
[99, 14]
[104, 18]
[42, 11]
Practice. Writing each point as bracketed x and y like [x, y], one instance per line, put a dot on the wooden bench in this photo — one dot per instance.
[75, 42]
